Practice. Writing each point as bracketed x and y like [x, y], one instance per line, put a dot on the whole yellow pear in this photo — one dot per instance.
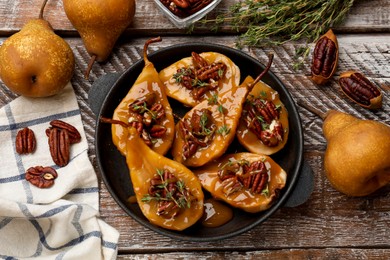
[100, 23]
[357, 158]
[35, 62]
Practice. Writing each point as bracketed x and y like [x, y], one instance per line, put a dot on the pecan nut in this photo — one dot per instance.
[202, 77]
[42, 177]
[184, 8]
[262, 118]
[157, 131]
[360, 90]
[25, 141]
[172, 195]
[243, 175]
[73, 133]
[197, 131]
[59, 145]
[325, 58]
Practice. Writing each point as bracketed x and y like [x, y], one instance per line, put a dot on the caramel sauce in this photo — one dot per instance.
[243, 199]
[216, 214]
[177, 91]
[132, 199]
[121, 113]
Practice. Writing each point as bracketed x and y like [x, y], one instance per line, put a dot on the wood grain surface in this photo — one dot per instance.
[365, 16]
[329, 225]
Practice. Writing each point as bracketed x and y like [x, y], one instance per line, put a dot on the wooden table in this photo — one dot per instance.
[329, 224]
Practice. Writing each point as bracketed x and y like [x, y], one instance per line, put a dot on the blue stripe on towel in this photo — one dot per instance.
[5, 222]
[72, 242]
[26, 186]
[13, 125]
[110, 245]
[12, 178]
[84, 190]
[54, 211]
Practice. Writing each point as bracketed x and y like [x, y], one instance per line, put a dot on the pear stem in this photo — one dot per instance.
[270, 59]
[90, 64]
[157, 39]
[312, 109]
[42, 9]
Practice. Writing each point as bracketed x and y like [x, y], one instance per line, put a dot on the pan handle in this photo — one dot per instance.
[99, 90]
[303, 187]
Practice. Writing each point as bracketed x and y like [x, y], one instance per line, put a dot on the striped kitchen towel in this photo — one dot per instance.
[60, 222]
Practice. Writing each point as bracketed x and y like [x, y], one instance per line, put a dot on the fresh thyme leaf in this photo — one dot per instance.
[220, 109]
[220, 73]
[203, 124]
[263, 94]
[270, 22]
[213, 99]
[144, 109]
[223, 130]
[265, 191]
[160, 172]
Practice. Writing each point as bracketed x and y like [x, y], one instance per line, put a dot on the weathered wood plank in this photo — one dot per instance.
[365, 16]
[318, 224]
[291, 254]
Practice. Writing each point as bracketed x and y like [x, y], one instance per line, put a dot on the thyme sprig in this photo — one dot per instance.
[181, 198]
[271, 22]
[213, 100]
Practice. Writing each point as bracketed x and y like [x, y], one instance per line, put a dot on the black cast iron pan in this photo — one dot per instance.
[107, 92]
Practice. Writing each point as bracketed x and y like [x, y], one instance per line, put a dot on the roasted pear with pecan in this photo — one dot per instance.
[244, 180]
[263, 127]
[207, 130]
[146, 108]
[168, 193]
[199, 77]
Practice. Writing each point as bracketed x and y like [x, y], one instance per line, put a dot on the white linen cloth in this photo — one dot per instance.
[60, 222]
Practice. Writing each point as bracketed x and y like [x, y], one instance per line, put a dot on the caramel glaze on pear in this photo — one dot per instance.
[357, 158]
[143, 163]
[234, 193]
[248, 138]
[176, 91]
[36, 62]
[225, 110]
[147, 82]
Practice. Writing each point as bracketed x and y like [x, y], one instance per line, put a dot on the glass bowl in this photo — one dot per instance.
[186, 21]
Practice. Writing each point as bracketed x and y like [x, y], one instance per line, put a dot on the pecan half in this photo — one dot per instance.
[157, 131]
[184, 8]
[25, 141]
[59, 145]
[241, 174]
[73, 133]
[42, 177]
[262, 118]
[202, 77]
[196, 131]
[171, 194]
[325, 58]
[360, 90]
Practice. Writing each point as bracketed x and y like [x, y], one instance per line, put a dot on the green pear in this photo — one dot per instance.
[99, 23]
[357, 156]
[35, 62]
